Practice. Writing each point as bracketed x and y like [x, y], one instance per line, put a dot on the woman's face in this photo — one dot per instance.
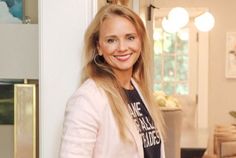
[119, 44]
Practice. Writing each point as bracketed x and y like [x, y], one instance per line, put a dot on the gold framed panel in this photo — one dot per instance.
[25, 121]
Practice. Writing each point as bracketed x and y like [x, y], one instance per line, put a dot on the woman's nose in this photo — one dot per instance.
[122, 45]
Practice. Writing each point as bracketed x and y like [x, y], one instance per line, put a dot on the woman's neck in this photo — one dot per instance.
[124, 78]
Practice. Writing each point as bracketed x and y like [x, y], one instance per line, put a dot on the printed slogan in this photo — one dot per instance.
[145, 126]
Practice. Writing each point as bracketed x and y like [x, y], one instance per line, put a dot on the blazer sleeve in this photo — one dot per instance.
[81, 124]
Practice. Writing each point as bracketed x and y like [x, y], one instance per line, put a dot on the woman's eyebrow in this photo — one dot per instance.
[127, 34]
[134, 34]
[110, 36]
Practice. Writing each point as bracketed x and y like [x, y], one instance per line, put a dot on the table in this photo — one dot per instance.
[193, 143]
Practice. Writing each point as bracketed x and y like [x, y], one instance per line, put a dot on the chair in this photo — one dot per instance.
[225, 141]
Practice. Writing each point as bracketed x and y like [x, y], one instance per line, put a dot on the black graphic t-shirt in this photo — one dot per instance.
[147, 130]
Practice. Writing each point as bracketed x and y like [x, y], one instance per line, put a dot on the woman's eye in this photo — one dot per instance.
[131, 38]
[111, 40]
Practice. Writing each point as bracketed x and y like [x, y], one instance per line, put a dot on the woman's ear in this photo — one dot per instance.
[99, 53]
[98, 48]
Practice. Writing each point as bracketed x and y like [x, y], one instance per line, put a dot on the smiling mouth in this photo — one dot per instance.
[123, 57]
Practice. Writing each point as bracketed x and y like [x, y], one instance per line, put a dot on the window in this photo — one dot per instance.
[171, 59]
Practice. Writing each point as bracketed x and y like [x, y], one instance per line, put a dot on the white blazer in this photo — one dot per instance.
[90, 129]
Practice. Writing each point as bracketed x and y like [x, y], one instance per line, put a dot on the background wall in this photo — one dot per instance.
[221, 90]
[62, 25]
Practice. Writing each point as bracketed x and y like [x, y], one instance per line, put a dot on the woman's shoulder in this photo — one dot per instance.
[86, 102]
[88, 91]
[87, 85]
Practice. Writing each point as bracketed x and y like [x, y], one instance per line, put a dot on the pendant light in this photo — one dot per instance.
[205, 22]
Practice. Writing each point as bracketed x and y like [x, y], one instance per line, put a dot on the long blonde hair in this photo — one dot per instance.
[96, 68]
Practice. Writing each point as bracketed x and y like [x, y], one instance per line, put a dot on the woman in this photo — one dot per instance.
[112, 114]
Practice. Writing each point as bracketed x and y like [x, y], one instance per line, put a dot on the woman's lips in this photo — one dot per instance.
[123, 57]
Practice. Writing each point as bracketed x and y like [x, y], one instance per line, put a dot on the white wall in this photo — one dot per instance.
[62, 25]
[19, 51]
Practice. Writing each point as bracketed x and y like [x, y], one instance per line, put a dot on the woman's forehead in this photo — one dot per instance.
[117, 25]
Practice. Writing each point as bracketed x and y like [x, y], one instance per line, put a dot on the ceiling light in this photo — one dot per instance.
[179, 16]
[205, 22]
[169, 26]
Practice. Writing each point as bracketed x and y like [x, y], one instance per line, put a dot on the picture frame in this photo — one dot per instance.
[11, 11]
[230, 62]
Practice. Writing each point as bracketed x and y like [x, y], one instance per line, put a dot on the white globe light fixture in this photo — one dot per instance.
[204, 22]
[169, 26]
[179, 16]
